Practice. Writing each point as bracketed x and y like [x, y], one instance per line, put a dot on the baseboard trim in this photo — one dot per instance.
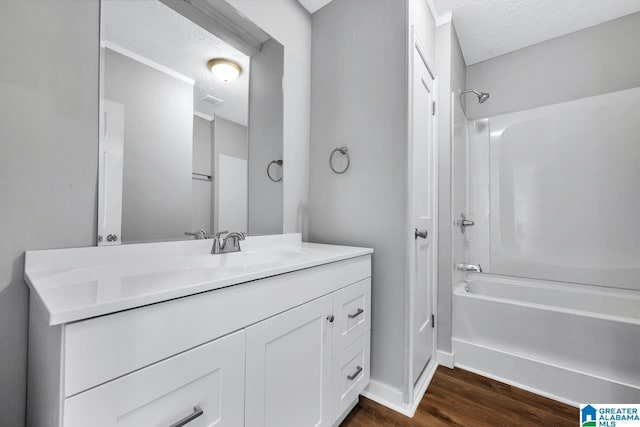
[422, 384]
[386, 396]
[392, 398]
[446, 359]
[551, 381]
[346, 413]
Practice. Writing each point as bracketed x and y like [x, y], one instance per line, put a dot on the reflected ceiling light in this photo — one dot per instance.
[224, 69]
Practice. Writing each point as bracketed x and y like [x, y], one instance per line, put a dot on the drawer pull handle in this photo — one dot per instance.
[355, 374]
[356, 314]
[197, 412]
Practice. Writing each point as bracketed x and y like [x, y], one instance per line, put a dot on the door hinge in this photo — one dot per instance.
[433, 108]
[433, 320]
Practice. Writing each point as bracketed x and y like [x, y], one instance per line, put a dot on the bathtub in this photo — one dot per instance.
[573, 343]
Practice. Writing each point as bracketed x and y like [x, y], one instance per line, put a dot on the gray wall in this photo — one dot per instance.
[158, 123]
[597, 60]
[229, 138]
[265, 138]
[202, 190]
[451, 78]
[48, 162]
[362, 103]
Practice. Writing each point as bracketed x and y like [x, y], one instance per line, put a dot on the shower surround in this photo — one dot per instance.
[553, 193]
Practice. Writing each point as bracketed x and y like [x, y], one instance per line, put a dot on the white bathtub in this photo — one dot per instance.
[574, 343]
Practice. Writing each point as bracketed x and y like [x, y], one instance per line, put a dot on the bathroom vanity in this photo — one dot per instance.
[168, 334]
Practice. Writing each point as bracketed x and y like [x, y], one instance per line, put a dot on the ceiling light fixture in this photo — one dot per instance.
[224, 69]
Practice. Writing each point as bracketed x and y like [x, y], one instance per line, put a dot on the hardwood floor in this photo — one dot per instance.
[457, 397]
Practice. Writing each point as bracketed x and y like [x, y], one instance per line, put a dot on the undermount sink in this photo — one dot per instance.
[248, 259]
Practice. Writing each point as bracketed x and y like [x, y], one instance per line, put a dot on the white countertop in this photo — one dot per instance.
[76, 284]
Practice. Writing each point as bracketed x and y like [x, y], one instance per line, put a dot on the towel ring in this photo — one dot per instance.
[343, 151]
[276, 162]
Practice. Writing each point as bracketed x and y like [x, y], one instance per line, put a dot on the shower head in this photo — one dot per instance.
[482, 96]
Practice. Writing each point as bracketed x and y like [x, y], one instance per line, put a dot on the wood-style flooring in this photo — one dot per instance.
[457, 397]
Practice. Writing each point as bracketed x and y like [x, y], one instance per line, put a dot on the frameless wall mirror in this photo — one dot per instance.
[190, 122]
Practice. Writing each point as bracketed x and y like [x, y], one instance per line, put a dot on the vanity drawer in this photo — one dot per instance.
[352, 312]
[351, 374]
[207, 379]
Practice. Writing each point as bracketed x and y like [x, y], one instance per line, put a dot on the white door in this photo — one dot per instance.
[202, 387]
[110, 163]
[232, 194]
[422, 209]
[289, 368]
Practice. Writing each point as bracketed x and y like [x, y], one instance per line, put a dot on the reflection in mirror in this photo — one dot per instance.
[185, 147]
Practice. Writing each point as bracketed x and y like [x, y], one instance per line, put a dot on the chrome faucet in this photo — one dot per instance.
[228, 243]
[469, 267]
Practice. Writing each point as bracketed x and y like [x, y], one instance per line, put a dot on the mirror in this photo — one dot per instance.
[182, 150]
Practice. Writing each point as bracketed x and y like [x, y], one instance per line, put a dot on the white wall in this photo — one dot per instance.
[158, 141]
[201, 191]
[290, 24]
[48, 162]
[451, 79]
[597, 60]
[265, 138]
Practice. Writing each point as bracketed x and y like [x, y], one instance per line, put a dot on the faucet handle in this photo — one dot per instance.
[198, 235]
[234, 237]
[237, 234]
[220, 233]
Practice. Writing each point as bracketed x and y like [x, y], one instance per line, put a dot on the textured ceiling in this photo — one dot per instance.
[313, 5]
[488, 28]
[156, 32]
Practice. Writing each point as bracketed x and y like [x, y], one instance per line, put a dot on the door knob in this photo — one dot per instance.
[421, 234]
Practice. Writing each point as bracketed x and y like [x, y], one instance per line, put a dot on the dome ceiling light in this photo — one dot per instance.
[225, 69]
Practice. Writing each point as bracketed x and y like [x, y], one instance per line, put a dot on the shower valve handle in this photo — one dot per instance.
[463, 222]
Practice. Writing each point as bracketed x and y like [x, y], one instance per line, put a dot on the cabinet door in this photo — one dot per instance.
[289, 368]
[205, 384]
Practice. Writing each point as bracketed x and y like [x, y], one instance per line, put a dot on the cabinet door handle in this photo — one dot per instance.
[330, 318]
[355, 374]
[197, 412]
[356, 314]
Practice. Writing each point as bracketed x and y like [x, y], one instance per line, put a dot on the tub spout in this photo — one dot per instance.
[469, 267]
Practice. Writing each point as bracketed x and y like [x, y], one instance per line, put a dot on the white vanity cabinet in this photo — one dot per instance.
[289, 368]
[296, 374]
[291, 349]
